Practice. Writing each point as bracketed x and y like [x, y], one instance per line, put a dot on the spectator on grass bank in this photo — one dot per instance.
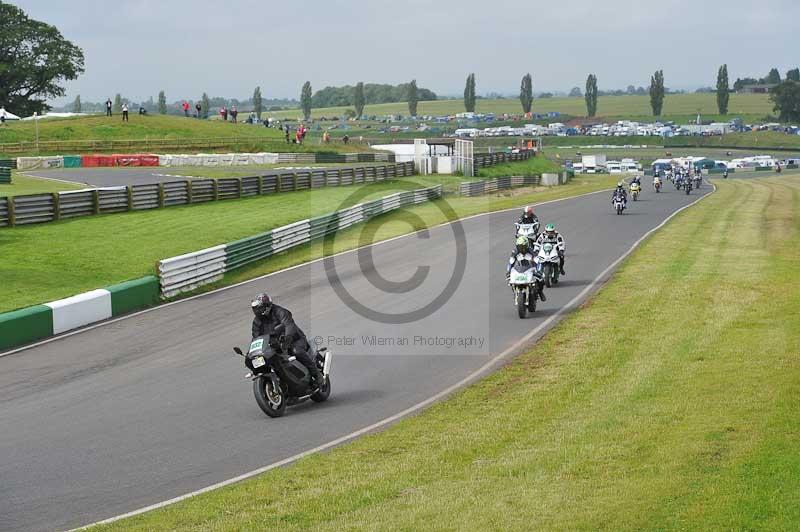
[124, 112]
[108, 107]
[3, 116]
[287, 135]
[346, 139]
[185, 107]
[198, 108]
[326, 137]
[223, 112]
[142, 110]
[234, 114]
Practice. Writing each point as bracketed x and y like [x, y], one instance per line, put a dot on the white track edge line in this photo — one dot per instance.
[419, 406]
[260, 277]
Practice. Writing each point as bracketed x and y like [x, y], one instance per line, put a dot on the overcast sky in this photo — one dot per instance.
[186, 47]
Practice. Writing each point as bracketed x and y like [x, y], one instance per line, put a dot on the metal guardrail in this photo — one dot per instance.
[41, 208]
[490, 159]
[189, 271]
[478, 188]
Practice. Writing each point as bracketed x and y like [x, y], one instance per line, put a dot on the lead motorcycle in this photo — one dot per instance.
[280, 380]
[529, 231]
[524, 279]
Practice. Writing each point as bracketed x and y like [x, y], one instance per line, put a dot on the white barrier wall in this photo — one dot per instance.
[80, 310]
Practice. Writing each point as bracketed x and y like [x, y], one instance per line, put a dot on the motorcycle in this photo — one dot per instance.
[529, 231]
[549, 260]
[697, 182]
[635, 189]
[524, 279]
[687, 186]
[657, 185]
[280, 380]
[619, 204]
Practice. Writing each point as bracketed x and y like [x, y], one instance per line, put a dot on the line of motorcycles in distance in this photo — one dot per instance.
[530, 272]
[681, 180]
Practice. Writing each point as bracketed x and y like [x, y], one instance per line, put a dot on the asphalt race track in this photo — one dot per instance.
[148, 408]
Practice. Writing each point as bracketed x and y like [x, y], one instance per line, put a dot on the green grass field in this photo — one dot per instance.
[50, 261]
[668, 402]
[676, 106]
[22, 184]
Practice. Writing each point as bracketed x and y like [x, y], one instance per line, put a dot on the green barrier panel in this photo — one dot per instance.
[25, 325]
[72, 161]
[792, 166]
[248, 250]
[134, 295]
[5, 176]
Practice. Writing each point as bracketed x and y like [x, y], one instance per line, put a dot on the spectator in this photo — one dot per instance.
[108, 107]
[3, 116]
[345, 139]
[287, 135]
[185, 107]
[234, 114]
[326, 137]
[142, 110]
[199, 109]
[124, 112]
[224, 113]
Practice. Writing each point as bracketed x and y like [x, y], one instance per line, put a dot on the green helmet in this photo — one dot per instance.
[550, 228]
[522, 242]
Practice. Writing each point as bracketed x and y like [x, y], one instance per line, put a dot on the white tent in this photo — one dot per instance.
[11, 116]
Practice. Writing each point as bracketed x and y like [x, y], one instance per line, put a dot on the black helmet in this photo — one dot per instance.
[261, 304]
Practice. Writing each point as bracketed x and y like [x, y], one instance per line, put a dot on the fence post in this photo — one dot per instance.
[278, 182]
[215, 186]
[324, 178]
[129, 190]
[161, 195]
[95, 201]
[189, 191]
[12, 212]
[238, 187]
[294, 181]
[260, 185]
[56, 206]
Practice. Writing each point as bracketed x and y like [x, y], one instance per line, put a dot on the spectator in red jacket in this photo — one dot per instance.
[185, 108]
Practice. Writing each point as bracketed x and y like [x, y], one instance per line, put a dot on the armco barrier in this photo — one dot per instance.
[35, 323]
[491, 159]
[40, 208]
[5, 176]
[187, 272]
[8, 163]
[477, 188]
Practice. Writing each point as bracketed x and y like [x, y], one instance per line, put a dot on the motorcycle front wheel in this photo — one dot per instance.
[271, 401]
[323, 393]
[522, 309]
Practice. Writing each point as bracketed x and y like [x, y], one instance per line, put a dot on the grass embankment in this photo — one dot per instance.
[529, 167]
[676, 106]
[669, 402]
[50, 261]
[21, 184]
[243, 137]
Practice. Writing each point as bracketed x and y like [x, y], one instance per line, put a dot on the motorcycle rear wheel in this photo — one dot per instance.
[548, 275]
[522, 310]
[272, 402]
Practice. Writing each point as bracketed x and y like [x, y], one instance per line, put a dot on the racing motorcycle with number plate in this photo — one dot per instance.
[524, 279]
[549, 261]
[619, 204]
[280, 380]
[635, 189]
[529, 231]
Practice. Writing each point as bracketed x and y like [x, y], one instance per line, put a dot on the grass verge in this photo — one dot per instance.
[51, 261]
[621, 418]
[22, 184]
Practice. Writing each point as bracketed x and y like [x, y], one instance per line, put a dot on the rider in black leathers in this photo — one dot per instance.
[528, 216]
[274, 320]
[620, 191]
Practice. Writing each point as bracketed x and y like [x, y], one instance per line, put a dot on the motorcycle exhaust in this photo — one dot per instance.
[326, 366]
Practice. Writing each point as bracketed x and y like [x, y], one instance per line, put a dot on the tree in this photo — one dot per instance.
[723, 90]
[305, 100]
[205, 105]
[591, 95]
[469, 94]
[413, 98]
[793, 75]
[117, 103]
[76, 105]
[773, 77]
[526, 93]
[575, 92]
[257, 102]
[786, 97]
[358, 99]
[162, 103]
[657, 92]
[35, 60]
